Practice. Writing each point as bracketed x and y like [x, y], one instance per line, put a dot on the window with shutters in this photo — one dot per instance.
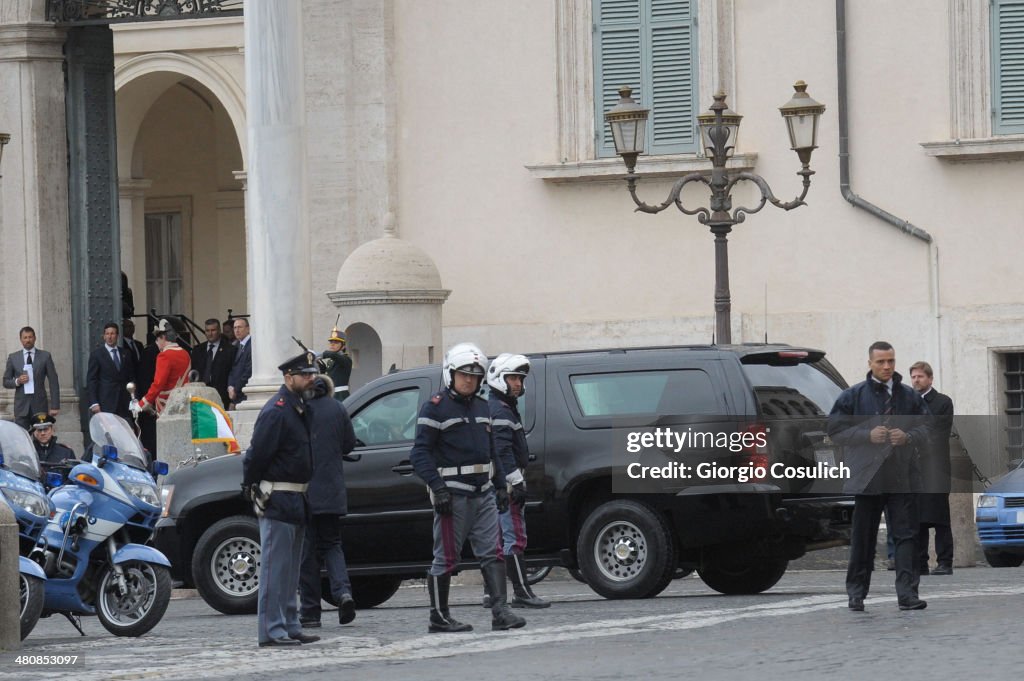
[1007, 20]
[649, 45]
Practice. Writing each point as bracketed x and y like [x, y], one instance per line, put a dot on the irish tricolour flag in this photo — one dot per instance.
[210, 423]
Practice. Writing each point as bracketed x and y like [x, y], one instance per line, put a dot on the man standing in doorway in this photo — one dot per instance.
[26, 373]
[935, 472]
[110, 370]
[241, 368]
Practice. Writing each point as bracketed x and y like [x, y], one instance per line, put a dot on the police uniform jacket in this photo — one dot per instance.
[455, 431]
[507, 432]
[52, 452]
[333, 437]
[280, 452]
[879, 468]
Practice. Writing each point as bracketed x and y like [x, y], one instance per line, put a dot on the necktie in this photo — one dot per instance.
[116, 356]
[28, 362]
[208, 372]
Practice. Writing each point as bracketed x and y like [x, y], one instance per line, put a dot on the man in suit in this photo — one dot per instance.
[26, 373]
[128, 342]
[110, 370]
[213, 359]
[933, 504]
[241, 369]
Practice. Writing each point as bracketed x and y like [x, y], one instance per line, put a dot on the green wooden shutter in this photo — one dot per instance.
[673, 67]
[649, 45]
[1007, 67]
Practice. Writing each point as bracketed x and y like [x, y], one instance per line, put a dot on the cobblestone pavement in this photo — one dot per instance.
[801, 629]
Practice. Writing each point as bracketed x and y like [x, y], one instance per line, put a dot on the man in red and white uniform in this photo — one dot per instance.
[172, 367]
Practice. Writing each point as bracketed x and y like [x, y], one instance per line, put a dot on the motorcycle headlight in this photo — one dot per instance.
[987, 501]
[143, 492]
[33, 503]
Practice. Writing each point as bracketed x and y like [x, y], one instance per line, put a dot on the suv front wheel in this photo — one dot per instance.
[226, 565]
[625, 550]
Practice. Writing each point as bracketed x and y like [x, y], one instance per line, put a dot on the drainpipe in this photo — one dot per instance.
[884, 215]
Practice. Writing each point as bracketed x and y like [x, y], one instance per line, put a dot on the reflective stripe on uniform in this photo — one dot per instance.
[507, 424]
[455, 484]
[339, 388]
[267, 487]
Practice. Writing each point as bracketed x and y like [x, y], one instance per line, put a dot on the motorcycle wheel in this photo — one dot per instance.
[31, 591]
[144, 604]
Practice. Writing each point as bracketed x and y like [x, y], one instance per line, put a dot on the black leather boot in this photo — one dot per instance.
[502, 616]
[441, 619]
[523, 595]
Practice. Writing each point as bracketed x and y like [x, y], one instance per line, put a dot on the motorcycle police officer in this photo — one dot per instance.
[454, 455]
[276, 472]
[505, 377]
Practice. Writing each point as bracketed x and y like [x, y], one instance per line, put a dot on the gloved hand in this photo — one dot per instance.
[518, 494]
[247, 492]
[443, 502]
[134, 408]
[501, 499]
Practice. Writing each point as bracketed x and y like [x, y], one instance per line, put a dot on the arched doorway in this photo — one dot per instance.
[182, 201]
[365, 348]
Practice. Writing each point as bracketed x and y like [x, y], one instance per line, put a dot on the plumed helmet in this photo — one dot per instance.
[506, 364]
[464, 357]
[337, 336]
[166, 328]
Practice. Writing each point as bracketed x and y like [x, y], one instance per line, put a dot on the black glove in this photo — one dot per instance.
[443, 502]
[247, 492]
[501, 499]
[519, 494]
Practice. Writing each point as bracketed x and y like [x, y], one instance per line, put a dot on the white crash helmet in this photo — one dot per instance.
[464, 357]
[506, 364]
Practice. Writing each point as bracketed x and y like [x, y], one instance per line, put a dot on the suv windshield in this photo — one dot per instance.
[808, 389]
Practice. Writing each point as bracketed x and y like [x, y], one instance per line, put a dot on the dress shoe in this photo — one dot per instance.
[916, 604]
[310, 624]
[890, 564]
[943, 570]
[346, 609]
[304, 638]
[283, 642]
[856, 604]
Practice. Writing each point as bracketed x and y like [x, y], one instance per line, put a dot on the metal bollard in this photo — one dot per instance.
[10, 604]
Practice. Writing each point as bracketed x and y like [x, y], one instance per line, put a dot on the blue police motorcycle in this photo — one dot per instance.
[92, 549]
[21, 488]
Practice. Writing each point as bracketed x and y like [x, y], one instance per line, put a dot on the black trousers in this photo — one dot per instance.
[322, 546]
[903, 528]
[943, 545]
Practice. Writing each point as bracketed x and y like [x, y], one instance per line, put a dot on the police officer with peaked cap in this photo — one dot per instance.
[43, 437]
[453, 454]
[277, 468]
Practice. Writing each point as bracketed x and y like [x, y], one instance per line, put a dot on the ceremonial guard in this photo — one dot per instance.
[453, 454]
[276, 471]
[172, 367]
[337, 363]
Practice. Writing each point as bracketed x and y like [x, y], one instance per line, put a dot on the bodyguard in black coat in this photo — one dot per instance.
[332, 438]
[878, 422]
[215, 373]
[933, 503]
[110, 370]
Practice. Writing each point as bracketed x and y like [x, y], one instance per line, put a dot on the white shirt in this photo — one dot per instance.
[30, 384]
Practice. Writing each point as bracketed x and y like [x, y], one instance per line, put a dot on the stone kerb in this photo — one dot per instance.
[174, 427]
[10, 623]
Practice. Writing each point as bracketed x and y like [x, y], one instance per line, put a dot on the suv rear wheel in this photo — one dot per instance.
[226, 565]
[625, 550]
[1001, 559]
[749, 576]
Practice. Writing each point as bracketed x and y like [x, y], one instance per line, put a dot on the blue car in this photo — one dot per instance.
[1000, 519]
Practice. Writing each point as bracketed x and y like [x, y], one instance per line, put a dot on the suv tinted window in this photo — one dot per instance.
[389, 418]
[795, 390]
[644, 392]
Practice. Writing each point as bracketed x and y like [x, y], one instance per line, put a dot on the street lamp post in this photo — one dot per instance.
[719, 130]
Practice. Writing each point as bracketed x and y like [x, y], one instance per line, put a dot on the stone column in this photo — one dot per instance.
[132, 195]
[34, 196]
[277, 242]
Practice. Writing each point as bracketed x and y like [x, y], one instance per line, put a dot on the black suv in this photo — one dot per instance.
[627, 538]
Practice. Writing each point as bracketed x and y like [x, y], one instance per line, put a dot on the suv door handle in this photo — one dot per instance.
[403, 468]
[532, 457]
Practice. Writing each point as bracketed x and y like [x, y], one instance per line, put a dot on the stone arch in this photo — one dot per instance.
[364, 345]
[152, 74]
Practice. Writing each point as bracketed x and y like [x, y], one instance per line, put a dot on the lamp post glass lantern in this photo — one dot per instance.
[4, 139]
[719, 132]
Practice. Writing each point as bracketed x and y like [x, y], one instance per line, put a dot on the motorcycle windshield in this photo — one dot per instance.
[18, 450]
[111, 429]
